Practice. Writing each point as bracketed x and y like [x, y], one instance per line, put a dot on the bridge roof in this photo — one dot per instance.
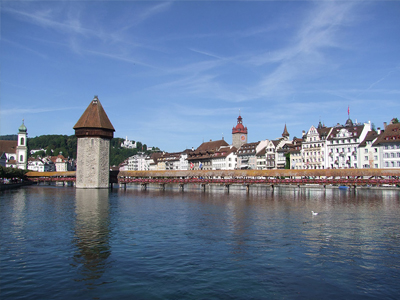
[259, 173]
[51, 174]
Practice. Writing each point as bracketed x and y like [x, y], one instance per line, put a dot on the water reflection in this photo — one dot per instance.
[91, 234]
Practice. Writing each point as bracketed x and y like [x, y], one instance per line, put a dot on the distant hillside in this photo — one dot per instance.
[9, 137]
[54, 144]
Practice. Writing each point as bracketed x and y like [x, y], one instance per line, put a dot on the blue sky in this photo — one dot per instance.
[174, 74]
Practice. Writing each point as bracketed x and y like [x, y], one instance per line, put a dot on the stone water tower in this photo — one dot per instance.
[94, 132]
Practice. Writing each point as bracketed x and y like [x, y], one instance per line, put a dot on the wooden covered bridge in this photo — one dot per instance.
[272, 178]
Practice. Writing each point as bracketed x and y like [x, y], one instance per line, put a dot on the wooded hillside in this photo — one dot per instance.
[55, 144]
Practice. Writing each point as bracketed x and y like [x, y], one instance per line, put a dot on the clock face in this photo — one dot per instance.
[243, 137]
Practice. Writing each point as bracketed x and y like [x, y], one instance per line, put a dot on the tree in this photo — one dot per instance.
[40, 153]
[12, 173]
[287, 164]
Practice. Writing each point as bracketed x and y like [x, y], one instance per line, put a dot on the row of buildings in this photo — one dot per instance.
[51, 164]
[351, 145]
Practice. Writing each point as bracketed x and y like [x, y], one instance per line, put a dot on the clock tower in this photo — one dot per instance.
[239, 134]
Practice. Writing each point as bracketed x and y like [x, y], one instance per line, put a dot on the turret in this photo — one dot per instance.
[94, 132]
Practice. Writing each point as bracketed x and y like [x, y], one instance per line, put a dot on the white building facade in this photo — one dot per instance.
[342, 144]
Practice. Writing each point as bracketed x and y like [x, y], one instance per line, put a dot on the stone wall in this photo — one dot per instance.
[93, 156]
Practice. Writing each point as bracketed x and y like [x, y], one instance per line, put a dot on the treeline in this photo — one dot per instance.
[53, 145]
[11, 173]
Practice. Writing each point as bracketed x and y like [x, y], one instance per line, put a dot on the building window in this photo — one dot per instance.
[22, 141]
[21, 158]
[366, 150]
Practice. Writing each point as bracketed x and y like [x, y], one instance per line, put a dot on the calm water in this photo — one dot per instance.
[63, 243]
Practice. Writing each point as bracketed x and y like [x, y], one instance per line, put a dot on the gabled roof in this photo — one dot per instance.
[249, 148]
[262, 152]
[212, 145]
[323, 131]
[8, 146]
[224, 151]
[354, 130]
[276, 142]
[206, 150]
[94, 117]
[390, 135]
[371, 135]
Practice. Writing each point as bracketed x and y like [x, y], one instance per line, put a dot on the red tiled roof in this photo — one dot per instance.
[239, 127]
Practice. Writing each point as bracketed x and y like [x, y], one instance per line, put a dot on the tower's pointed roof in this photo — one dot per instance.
[285, 132]
[239, 127]
[94, 117]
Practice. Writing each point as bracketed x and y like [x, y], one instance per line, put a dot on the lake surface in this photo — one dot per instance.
[67, 243]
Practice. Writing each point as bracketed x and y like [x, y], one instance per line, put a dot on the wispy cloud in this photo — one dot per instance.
[3, 40]
[19, 111]
[45, 19]
[305, 55]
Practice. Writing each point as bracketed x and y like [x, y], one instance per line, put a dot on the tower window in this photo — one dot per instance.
[22, 141]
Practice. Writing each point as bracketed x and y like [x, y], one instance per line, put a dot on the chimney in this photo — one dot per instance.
[304, 133]
[384, 125]
[379, 130]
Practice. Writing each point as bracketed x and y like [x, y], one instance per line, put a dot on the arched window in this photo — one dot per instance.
[22, 141]
[21, 158]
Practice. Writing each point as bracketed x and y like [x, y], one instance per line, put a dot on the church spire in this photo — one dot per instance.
[285, 132]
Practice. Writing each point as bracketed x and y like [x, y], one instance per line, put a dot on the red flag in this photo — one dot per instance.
[348, 110]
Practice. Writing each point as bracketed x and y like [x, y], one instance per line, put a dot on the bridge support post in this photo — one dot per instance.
[162, 186]
[181, 186]
[144, 186]
[247, 188]
[203, 186]
[227, 187]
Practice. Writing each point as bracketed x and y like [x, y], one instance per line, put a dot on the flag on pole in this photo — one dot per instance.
[191, 165]
[348, 110]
